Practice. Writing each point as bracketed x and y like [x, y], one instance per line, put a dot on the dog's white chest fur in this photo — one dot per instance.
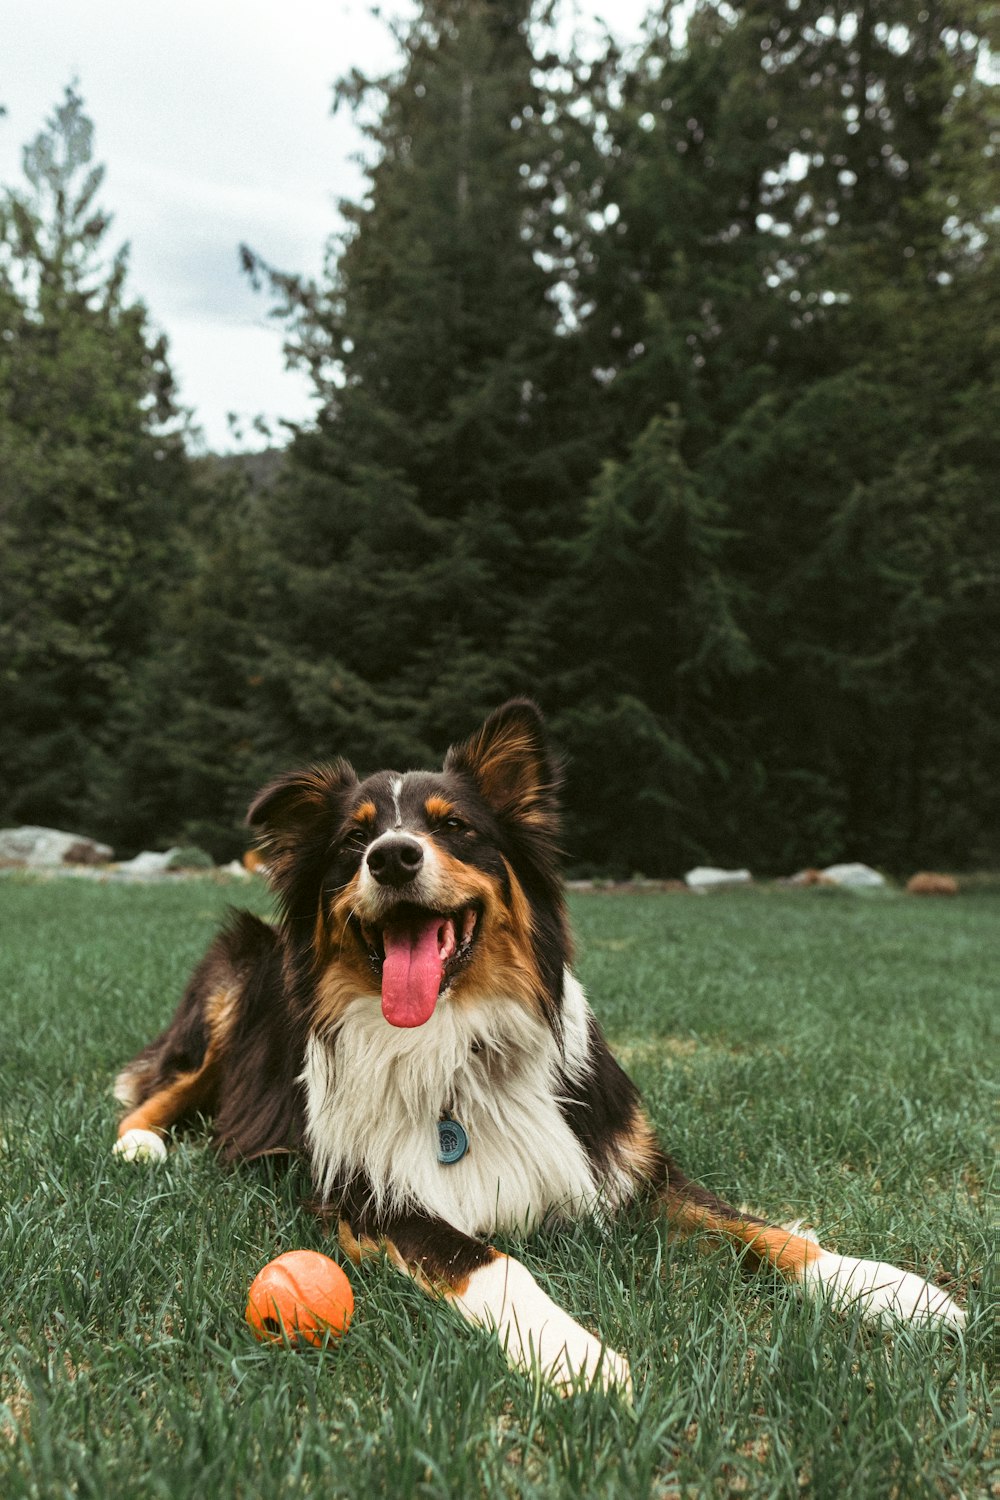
[375, 1094]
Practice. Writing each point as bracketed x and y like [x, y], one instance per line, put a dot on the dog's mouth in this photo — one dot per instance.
[417, 954]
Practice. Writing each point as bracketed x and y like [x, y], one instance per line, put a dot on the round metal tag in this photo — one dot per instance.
[452, 1142]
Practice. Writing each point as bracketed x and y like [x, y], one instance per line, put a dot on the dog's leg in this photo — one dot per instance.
[493, 1291]
[141, 1133]
[879, 1291]
[179, 1073]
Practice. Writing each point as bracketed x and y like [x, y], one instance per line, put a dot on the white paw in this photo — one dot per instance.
[537, 1336]
[567, 1357]
[140, 1145]
[882, 1293]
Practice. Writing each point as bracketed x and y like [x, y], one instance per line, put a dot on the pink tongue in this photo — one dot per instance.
[411, 973]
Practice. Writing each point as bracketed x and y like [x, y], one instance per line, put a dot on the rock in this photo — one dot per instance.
[706, 878]
[180, 860]
[855, 876]
[235, 868]
[927, 883]
[148, 863]
[808, 878]
[190, 858]
[45, 848]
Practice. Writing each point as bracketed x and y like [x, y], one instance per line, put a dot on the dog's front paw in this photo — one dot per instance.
[140, 1145]
[581, 1362]
[537, 1336]
[882, 1293]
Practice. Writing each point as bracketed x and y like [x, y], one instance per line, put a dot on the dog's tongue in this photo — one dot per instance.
[411, 971]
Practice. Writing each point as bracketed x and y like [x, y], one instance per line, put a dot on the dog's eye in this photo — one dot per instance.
[455, 824]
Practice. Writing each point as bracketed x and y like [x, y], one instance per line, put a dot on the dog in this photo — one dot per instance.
[412, 1023]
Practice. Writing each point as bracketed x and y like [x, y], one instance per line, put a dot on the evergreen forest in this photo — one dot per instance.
[658, 382]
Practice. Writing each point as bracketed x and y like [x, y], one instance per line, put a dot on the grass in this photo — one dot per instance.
[813, 1053]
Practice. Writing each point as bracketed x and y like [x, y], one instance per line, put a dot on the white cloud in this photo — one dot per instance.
[238, 368]
[213, 117]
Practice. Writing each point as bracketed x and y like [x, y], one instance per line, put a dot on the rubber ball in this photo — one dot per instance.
[301, 1296]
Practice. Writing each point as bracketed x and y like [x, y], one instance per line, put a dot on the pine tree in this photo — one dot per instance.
[419, 529]
[667, 233]
[656, 642]
[782, 214]
[91, 476]
[671, 260]
[194, 710]
[861, 480]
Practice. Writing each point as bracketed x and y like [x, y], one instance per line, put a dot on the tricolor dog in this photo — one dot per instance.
[412, 1023]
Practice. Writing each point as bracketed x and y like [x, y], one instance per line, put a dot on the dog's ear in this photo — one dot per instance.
[288, 805]
[509, 761]
[294, 817]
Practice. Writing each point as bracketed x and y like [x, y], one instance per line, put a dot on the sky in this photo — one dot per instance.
[213, 119]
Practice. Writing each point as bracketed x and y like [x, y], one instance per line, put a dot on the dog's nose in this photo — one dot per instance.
[395, 861]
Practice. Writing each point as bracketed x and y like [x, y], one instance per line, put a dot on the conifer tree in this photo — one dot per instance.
[418, 531]
[670, 294]
[91, 477]
[195, 705]
[788, 240]
[862, 484]
[655, 645]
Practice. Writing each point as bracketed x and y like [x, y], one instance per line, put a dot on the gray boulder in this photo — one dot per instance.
[46, 848]
[707, 878]
[854, 876]
[149, 862]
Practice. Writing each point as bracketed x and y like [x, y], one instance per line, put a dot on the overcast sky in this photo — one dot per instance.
[213, 120]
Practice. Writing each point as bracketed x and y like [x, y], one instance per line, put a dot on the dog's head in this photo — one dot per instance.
[423, 886]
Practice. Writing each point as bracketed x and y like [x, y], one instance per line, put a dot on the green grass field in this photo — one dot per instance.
[807, 1053]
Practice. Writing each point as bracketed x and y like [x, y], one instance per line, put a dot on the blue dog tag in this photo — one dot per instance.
[452, 1142]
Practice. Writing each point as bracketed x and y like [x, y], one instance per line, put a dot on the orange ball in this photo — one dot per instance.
[301, 1296]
